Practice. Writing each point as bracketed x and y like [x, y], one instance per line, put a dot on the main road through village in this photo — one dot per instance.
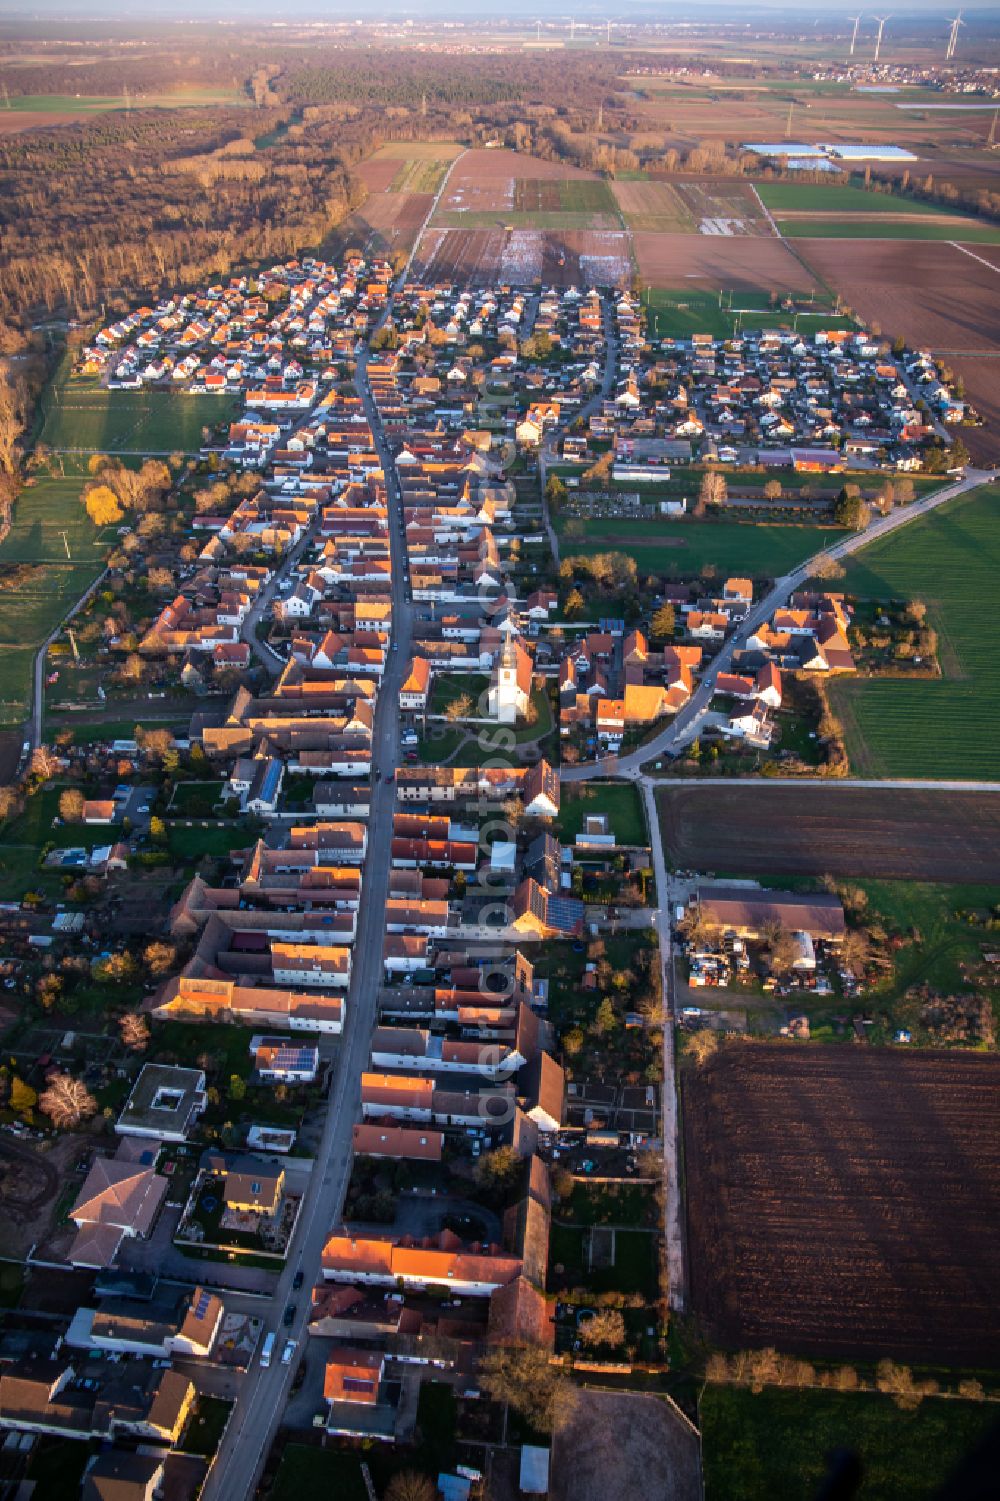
[265, 1390]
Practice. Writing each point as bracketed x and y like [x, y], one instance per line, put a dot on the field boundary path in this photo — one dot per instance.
[429, 216]
[673, 1233]
[900, 784]
[37, 709]
[980, 258]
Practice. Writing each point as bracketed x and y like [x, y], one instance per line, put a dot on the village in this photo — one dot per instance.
[407, 1003]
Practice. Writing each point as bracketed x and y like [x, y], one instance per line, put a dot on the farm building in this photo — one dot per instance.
[749, 911]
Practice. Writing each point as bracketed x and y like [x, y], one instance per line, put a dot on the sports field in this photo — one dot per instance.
[680, 549]
[937, 727]
[679, 312]
[38, 582]
[83, 415]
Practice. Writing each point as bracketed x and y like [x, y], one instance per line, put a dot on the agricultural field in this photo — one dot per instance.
[385, 222]
[936, 296]
[807, 210]
[886, 227]
[775, 1443]
[558, 195]
[814, 830]
[38, 582]
[799, 198]
[724, 207]
[419, 176]
[35, 111]
[486, 181]
[408, 166]
[655, 207]
[842, 1202]
[941, 727]
[524, 256]
[687, 114]
[681, 549]
[83, 416]
[720, 262]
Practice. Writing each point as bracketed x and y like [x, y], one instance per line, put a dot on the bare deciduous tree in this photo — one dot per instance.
[134, 1031]
[66, 1101]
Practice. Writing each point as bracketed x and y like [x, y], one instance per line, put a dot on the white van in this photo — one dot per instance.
[267, 1351]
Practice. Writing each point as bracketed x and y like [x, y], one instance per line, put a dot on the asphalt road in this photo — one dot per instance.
[548, 452]
[264, 1393]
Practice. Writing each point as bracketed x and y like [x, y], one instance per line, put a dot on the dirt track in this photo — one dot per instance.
[889, 833]
[843, 1201]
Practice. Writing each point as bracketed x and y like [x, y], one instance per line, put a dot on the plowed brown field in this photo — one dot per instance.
[719, 262]
[815, 829]
[844, 1201]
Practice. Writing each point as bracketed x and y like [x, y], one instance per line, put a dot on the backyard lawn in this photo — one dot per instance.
[933, 727]
[217, 840]
[619, 800]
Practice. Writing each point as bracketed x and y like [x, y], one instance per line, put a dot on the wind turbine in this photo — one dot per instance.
[854, 33]
[956, 22]
[610, 24]
[881, 27]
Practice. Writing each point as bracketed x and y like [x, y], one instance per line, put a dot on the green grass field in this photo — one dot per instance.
[75, 104]
[680, 312]
[620, 801]
[677, 314]
[48, 518]
[947, 942]
[943, 727]
[759, 1448]
[817, 198]
[963, 232]
[679, 549]
[81, 414]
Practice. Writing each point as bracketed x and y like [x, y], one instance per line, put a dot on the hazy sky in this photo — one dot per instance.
[653, 10]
